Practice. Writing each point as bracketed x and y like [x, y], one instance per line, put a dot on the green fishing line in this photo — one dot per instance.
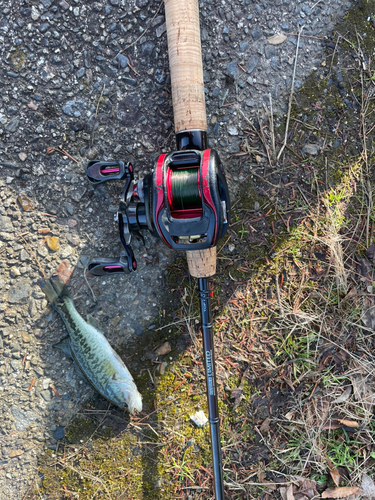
[185, 189]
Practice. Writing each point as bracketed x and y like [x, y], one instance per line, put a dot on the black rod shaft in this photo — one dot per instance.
[211, 386]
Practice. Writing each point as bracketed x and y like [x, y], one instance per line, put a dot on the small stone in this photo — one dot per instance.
[35, 14]
[19, 292]
[22, 418]
[162, 367]
[251, 65]
[25, 337]
[24, 255]
[42, 251]
[122, 60]
[25, 202]
[232, 130]
[65, 251]
[44, 27]
[256, 34]
[310, 149]
[147, 49]
[14, 272]
[16, 453]
[76, 11]
[80, 73]
[5, 224]
[59, 432]
[46, 395]
[12, 126]
[64, 5]
[232, 69]
[244, 46]
[269, 51]
[256, 206]
[69, 208]
[160, 30]
[199, 418]
[53, 243]
[231, 248]
[64, 271]
[163, 349]
[22, 156]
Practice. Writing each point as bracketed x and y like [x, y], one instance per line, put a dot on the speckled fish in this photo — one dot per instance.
[88, 347]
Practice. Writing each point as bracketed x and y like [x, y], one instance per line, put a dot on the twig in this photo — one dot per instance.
[87, 283]
[135, 71]
[96, 115]
[291, 96]
[143, 32]
[49, 215]
[278, 297]
[59, 149]
[37, 261]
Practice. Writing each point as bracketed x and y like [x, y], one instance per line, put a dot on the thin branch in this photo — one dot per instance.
[291, 96]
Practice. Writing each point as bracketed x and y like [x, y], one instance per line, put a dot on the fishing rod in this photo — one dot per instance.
[184, 201]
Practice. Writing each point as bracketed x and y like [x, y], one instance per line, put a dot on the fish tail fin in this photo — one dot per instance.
[54, 289]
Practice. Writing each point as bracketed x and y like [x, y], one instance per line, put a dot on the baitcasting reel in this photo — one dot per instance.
[184, 202]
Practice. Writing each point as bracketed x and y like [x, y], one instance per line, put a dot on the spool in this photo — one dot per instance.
[183, 189]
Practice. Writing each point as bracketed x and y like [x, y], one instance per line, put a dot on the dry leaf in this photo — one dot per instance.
[335, 474]
[237, 394]
[344, 396]
[364, 390]
[265, 427]
[289, 493]
[276, 39]
[163, 349]
[349, 423]
[289, 415]
[343, 492]
[331, 425]
[368, 487]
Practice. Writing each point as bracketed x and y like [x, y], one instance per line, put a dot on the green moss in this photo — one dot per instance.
[18, 58]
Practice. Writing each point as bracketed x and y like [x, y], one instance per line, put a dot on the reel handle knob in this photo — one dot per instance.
[103, 171]
[102, 266]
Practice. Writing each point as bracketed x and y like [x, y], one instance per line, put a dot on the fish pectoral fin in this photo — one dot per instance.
[64, 345]
[93, 321]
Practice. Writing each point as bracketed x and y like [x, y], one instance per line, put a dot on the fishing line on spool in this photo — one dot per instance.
[183, 189]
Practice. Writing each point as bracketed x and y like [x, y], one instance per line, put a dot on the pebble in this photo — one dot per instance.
[311, 149]
[12, 126]
[46, 395]
[16, 453]
[26, 203]
[53, 243]
[59, 432]
[252, 64]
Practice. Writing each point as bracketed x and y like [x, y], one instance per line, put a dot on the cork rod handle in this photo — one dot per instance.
[189, 108]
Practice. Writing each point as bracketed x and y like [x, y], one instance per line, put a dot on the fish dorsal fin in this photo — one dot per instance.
[64, 345]
[92, 321]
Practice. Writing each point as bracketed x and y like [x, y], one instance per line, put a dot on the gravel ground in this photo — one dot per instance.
[93, 78]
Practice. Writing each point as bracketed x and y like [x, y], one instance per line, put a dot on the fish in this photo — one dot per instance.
[87, 346]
